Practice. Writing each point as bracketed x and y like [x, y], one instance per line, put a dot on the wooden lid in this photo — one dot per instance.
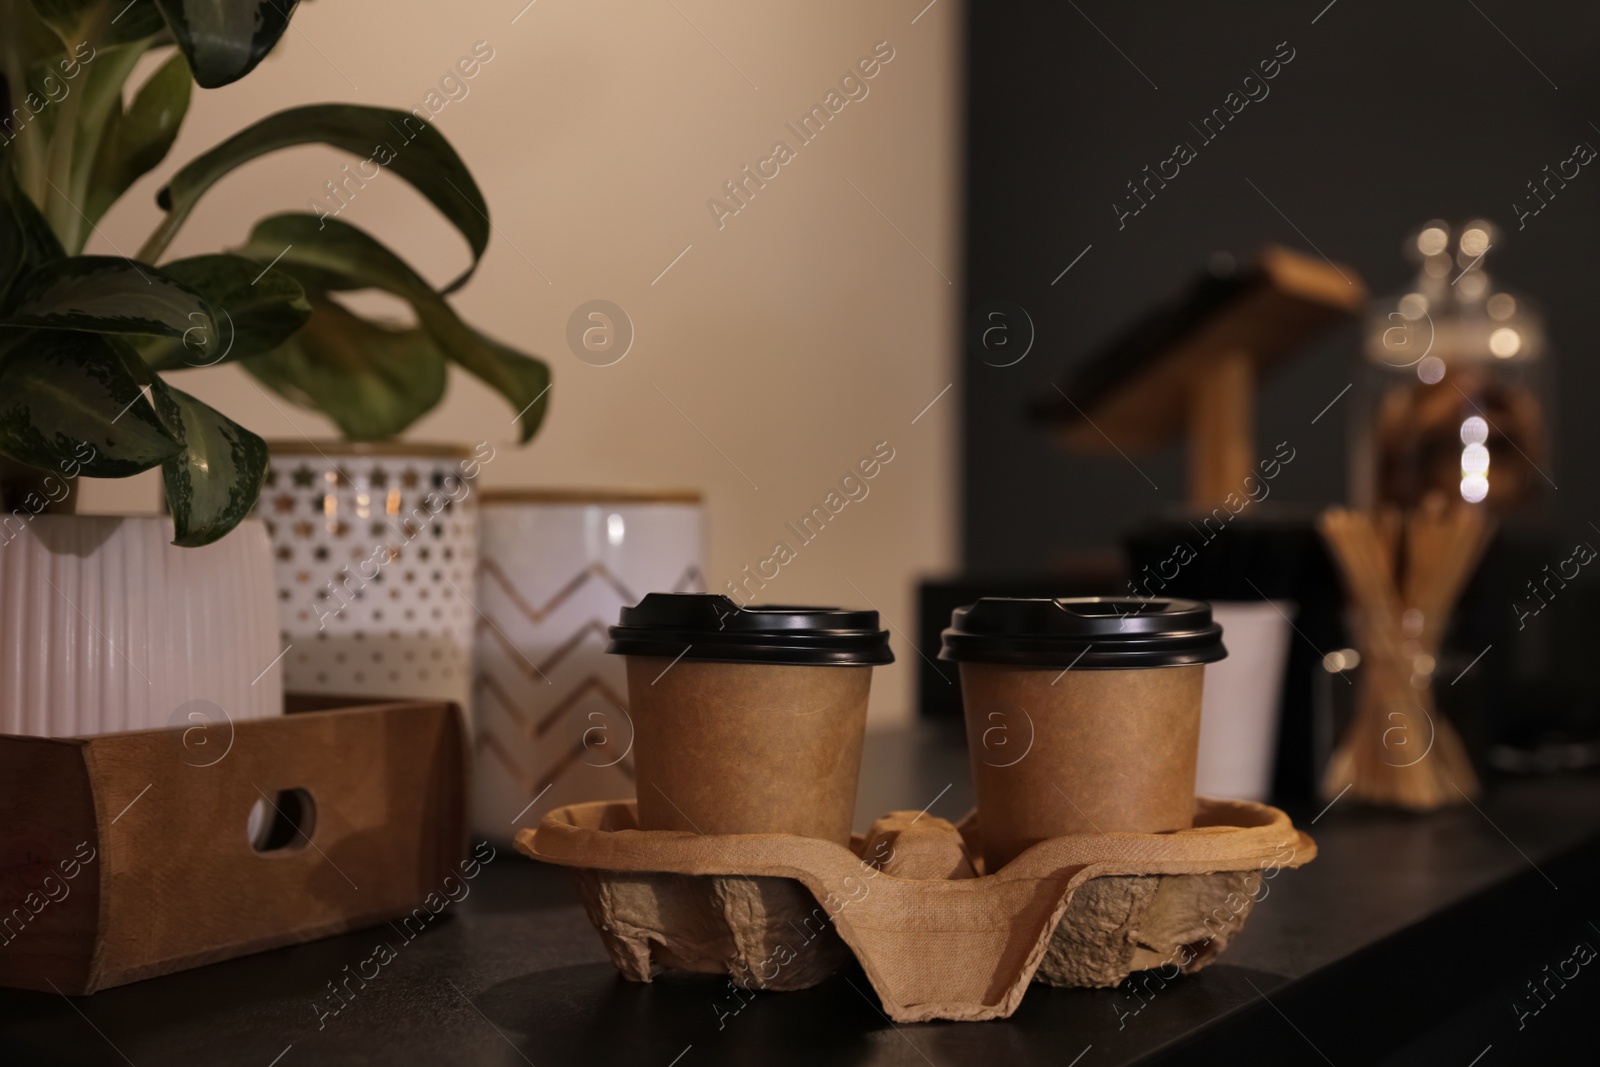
[586, 495]
[333, 449]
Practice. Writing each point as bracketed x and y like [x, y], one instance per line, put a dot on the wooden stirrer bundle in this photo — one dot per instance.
[1403, 575]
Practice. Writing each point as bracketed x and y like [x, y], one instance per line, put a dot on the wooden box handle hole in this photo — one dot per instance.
[282, 822]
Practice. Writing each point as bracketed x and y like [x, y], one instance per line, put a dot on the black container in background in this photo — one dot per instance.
[1533, 699]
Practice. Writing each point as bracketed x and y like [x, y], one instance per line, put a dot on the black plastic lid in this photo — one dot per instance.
[710, 626]
[1084, 633]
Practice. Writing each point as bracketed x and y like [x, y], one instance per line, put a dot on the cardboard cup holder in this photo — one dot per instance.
[937, 937]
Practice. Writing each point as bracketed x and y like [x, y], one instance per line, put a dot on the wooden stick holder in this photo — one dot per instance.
[125, 856]
[1191, 368]
[937, 938]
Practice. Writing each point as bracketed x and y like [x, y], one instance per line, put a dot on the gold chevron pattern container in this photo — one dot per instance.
[550, 712]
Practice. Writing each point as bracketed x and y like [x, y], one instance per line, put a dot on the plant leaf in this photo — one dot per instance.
[393, 140]
[35, 243]
[214, 480]
[328, 254]
[71, 398]
[13, 240]
[255, 309]
[522, 380]
[134, 21]
[225, 39]
[137, 139]
[39, 242]
[32, 42]
[25, 240]
[371, 380]
[128, 21]
[96, 101]
[109, 294]
[31, 50]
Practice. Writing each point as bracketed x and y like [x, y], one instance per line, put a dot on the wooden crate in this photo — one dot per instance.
[126, 856]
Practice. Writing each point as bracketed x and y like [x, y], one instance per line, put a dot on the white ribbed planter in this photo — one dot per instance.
[105, 625]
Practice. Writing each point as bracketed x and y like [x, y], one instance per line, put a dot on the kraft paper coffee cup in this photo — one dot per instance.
[1083, 714]
[747, 720]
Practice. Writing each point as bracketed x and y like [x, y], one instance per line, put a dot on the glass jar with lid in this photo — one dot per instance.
[1453, 383]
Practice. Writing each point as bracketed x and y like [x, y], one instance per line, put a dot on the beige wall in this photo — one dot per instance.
[796, 337]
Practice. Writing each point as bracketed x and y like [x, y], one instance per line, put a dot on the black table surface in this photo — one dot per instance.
[1447, 938]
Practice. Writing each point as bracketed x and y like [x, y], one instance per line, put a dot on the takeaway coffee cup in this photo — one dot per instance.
[747, 720]
[1083, 714]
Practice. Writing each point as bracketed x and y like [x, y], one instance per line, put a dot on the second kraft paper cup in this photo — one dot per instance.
[747, 720]
[1083, 714]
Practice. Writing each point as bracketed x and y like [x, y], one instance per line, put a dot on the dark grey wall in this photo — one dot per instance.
[1388, 114]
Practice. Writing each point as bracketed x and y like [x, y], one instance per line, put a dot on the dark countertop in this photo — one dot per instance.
[1409, 940]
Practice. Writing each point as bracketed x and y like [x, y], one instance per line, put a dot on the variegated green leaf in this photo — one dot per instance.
[109, 294]
[225, 39]
[213, 482]
[71, 398]
[255, 310]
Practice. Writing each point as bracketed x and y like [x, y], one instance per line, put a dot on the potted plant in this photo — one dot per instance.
[88, 342]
